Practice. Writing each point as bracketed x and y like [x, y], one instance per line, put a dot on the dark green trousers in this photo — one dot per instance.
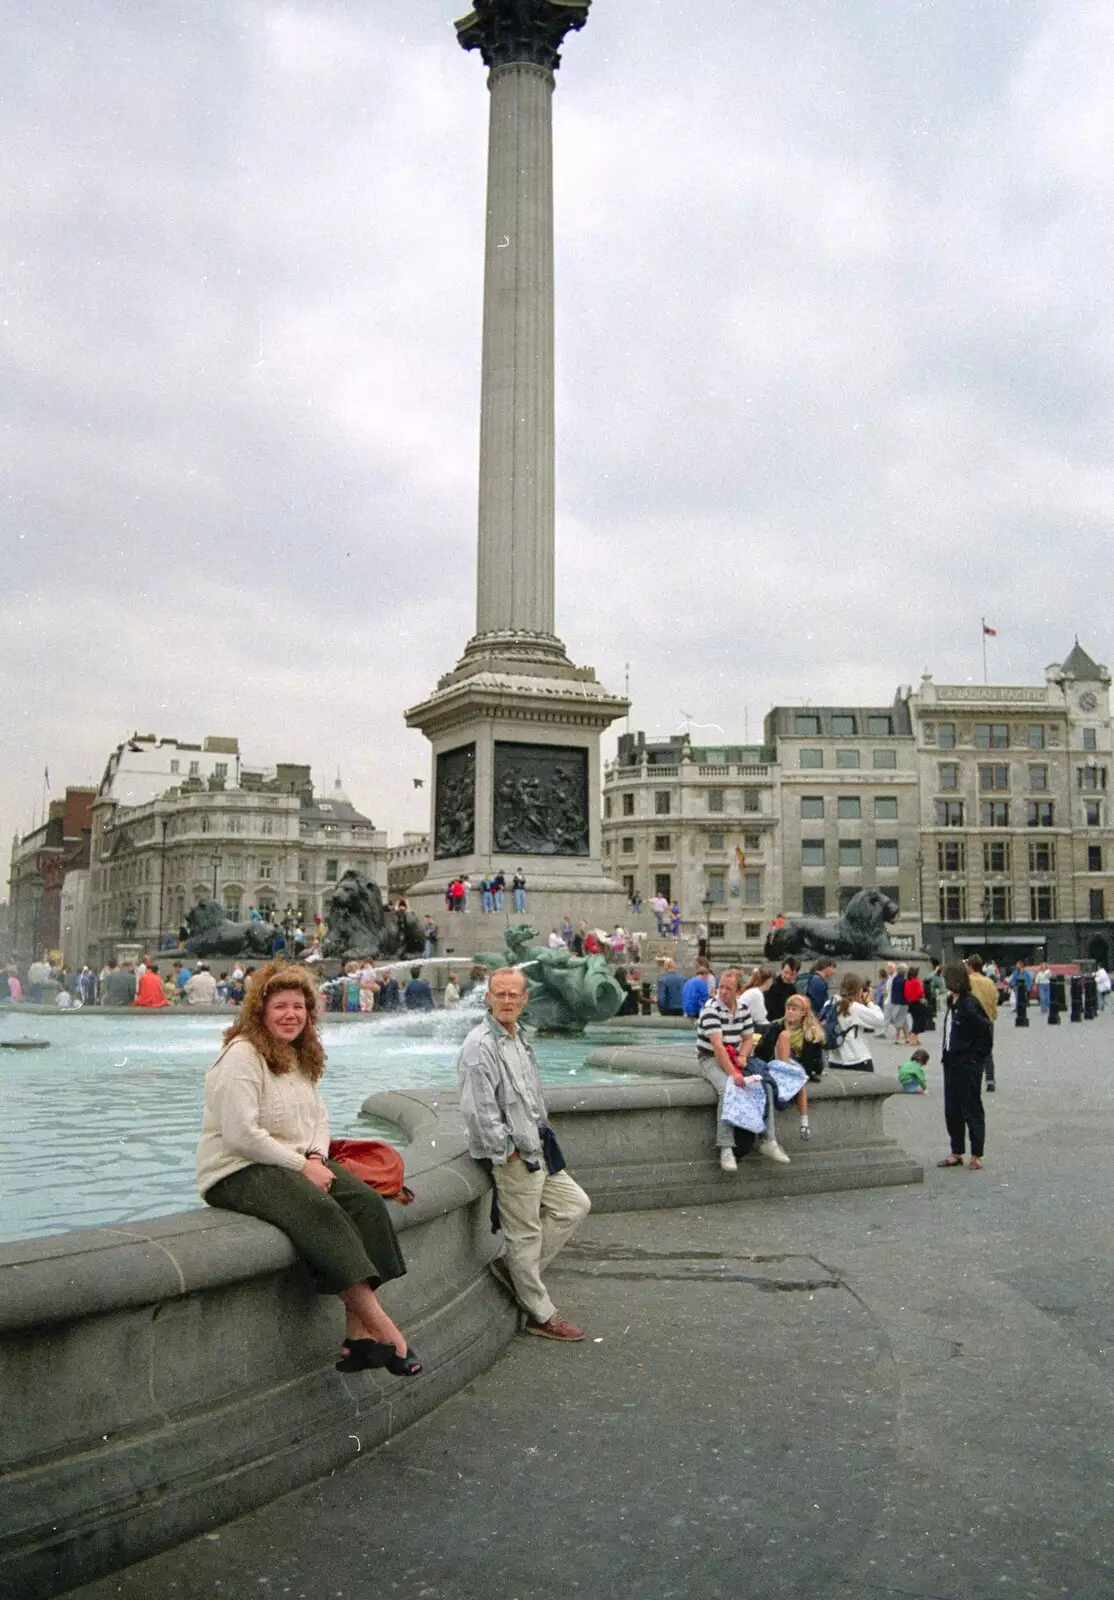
[344, 1234]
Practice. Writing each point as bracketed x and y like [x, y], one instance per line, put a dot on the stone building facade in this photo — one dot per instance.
[264, 840]
[1017, 836]
[43, 914]
[848, 809]
[699, 823]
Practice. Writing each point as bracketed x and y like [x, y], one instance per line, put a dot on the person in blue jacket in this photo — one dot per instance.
[671, 989]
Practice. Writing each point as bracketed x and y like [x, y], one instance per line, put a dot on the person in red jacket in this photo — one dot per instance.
[915, 1000]
[150, 992]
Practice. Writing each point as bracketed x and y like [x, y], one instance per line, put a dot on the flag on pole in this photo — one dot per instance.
[991, 633]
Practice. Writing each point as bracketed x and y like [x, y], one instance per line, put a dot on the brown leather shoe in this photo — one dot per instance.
[554, 1329]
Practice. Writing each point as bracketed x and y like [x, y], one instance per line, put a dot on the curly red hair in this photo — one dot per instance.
[306, 1052]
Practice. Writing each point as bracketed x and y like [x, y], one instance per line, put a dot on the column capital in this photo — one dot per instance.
[507, 32]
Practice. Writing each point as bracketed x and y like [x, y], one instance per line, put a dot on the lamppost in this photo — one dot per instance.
[985, 919]
[214, 861]
[707, 903]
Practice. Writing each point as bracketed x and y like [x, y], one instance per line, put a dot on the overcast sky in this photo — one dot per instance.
[834, 353]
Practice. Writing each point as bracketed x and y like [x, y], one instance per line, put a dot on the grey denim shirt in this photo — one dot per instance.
[500, 1093]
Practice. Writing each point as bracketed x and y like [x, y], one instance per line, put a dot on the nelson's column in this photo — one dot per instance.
[515, 727]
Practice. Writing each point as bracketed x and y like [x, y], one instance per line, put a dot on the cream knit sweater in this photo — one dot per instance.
[253, 1115]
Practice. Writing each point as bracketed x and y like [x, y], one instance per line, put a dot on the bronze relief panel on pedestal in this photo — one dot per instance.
[540, 800]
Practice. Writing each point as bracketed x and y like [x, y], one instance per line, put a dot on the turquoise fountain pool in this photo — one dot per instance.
[100, 1128]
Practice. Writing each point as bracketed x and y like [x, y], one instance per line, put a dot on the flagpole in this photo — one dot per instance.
[982, 620]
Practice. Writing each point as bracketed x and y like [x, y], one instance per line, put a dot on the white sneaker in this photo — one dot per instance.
[727, 1162]
[772, 1151]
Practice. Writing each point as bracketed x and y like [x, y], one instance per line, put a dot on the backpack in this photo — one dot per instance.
[829, 1020]
[801, 985]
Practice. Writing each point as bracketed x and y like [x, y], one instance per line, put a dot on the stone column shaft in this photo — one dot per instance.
[514, 592]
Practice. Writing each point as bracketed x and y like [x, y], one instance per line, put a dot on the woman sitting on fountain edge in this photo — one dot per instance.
[264, 1152]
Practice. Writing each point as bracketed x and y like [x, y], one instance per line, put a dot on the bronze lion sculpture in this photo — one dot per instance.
[858, 933]
[358, 923]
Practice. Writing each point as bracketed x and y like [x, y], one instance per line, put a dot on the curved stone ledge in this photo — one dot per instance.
[162, 1377]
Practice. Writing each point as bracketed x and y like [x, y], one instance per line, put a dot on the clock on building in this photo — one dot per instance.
[1087, 701]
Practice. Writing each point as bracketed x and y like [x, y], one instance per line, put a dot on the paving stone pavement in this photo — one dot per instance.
[847, 1397]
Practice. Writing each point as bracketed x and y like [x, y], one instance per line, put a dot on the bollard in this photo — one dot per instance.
[1077, 999]
[1021, 1018]
[1057, 1000]
[1090, 999]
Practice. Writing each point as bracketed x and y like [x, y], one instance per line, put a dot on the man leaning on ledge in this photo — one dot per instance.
[537, 1204]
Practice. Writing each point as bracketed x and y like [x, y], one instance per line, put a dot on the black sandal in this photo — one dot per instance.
[407, 1366]
[363, 1355]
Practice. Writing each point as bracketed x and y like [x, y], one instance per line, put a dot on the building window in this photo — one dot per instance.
[947, 774]
[884, 760]
[812, 852]
[811, 758]
[607, 806]
[266, 870]
[1091, 777]
[195, 769]
[1036, 736]
[663, 841]
[885, 853]
[717, 841]
[716, 888]
[945, 735]
[220, 770]
[628, 884]
[331, 865]
[627, 845]
[998, 903]
[1042, 902]
[953, 902]
[235, 824]
[804, 723]
[951, 857]
[663, 885]
[267, 825]
[1038, 777]
[1042, 858]
[848, 759]
[752, 888]
[715, 800]
[1090, 742]
[813, 903]
[751, 801]
[753, 930]
[992, 736]
[885, 808]
[303, 870]
[812, 806]
[1092, 813]
[879, 725]
[752, 841]
[175, 767]
[1094, 858]
[995, 777]
[663, 801]
[232, 904]
[204, 825]
[850, 852]
[849, 808]
[994, 814]
[843, 725]
[949, 813]
[1038, 814]
[1096, 904]
[996, 856]
[628, 805]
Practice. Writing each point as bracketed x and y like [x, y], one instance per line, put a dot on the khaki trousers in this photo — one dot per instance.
[539, 1214]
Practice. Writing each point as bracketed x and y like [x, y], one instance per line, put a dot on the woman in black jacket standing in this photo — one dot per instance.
[967, 1041]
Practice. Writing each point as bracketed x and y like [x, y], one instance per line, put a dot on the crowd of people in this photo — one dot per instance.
[492, 892]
